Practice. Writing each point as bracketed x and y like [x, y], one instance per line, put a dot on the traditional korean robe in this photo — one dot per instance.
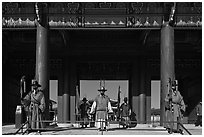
[101, 106]
[176, 115]
[36, 105]
[125, 113]
[83, 109]
[199, 115]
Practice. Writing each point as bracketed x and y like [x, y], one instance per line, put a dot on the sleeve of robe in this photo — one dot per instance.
[129, 110]
[26, 100]
[182, 104]
[109, 107]
[42, 103]
[93, 108]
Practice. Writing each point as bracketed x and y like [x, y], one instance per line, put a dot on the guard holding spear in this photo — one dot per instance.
[35, 102]
[175, 107]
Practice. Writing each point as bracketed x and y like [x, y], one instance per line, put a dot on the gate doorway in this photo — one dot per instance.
[89, 89]
[155, 94]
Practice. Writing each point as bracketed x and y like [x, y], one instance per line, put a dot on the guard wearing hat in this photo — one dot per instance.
[35, 100]
[101, 106]
[178, 108]
[125, 113]
[199, 114]
[83, 110]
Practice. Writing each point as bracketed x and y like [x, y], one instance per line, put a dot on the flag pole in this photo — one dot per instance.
[119, 102]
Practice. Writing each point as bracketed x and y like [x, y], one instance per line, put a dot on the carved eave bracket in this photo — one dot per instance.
[97, 15]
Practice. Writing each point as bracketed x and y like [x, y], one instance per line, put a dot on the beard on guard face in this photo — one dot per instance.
[102, 92]
[35, 87]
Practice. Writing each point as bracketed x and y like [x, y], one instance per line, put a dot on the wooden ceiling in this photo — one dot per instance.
[88, 42]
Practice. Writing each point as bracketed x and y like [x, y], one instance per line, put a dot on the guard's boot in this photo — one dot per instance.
[169, 130]
[181, 131]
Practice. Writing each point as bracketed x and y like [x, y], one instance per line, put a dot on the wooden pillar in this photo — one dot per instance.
[134, 89]
[142, 95]
[66, 94]
[73, 83]
[5, 97]
[148, 95]
[42, 60]
[167, 64]
[60, 96]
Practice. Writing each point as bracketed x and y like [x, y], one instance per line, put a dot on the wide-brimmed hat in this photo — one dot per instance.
[102, 89]
[35, 83]
[84, 99]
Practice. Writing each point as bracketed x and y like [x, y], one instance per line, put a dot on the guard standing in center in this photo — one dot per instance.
[101, 106]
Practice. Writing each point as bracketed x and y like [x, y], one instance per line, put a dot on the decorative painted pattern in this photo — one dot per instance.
[86, 15]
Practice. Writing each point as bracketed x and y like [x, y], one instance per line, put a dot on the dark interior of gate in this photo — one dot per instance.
[108, 54]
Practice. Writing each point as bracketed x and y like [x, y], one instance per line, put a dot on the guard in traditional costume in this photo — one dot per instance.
[83, 110]
[35, 101]
[174, 110]
[101, 106]
[199, 114]
[125, 113]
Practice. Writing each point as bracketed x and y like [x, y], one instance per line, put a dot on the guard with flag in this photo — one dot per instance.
[125, 113]
[175, 107]
[83, 110]
[169, 108]
[35, 100]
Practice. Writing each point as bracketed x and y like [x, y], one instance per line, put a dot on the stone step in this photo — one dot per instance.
[113, 129]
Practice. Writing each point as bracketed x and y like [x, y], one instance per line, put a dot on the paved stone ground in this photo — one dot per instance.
[140, 129]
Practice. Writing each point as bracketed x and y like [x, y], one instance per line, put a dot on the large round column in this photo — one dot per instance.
[148, 95]
[66, 94]
[60, 96]
[42, 64]
[73, 84]
[134, 89]
[142, 95]
[167, 64]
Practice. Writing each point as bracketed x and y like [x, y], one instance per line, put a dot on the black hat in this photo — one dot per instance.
[35, 83]
[102, 89]
[84, 99]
